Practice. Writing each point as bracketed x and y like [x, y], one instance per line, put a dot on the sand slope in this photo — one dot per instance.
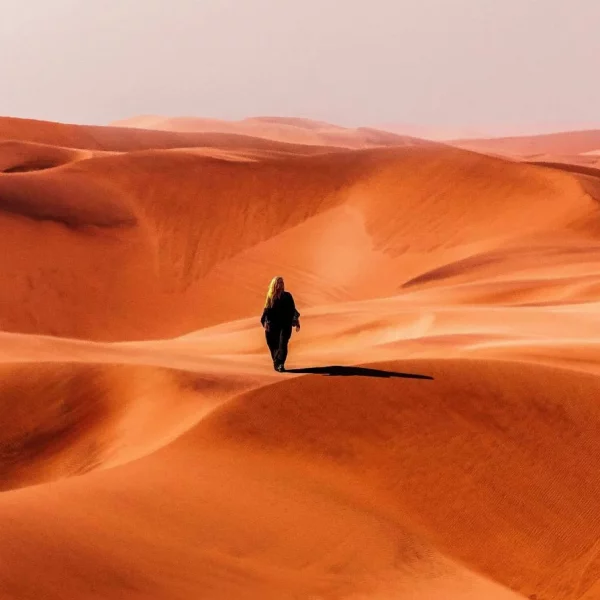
[181, 225]
[435, 437]
[120, 139]
[566, 143]
[298, 131]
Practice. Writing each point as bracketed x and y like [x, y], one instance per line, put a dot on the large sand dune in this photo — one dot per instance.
[569, 142]
[436, 435]
[299, 131]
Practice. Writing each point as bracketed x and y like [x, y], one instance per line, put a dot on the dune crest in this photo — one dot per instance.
[569, 142]
[282, 129]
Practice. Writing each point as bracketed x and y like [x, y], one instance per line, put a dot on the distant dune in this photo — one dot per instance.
[567, 143]
[434, 133]
[435, 436]
[294, 130]
[120, 139]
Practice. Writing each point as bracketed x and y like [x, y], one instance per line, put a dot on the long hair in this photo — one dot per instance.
[276, 287]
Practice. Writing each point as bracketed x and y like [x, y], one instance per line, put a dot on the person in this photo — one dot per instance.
[278, 318]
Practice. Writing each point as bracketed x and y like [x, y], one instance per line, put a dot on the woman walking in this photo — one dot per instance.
[278, 318]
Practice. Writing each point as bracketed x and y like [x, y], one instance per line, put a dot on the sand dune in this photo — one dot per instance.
[120, 139]
[182, 226]
[574, 151]
[298, 131]
[569, 142]
[18, 156]
[390, 442]
[72, 418]
[435, 435]
[209, 540]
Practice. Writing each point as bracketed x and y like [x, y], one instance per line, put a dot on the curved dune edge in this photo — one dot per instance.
[17, 156]
[65, 198]
[570, 142]
[124, 139]
[66, 419]
[295, 130]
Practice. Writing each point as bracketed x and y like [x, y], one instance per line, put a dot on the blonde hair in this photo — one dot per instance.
[275, 288]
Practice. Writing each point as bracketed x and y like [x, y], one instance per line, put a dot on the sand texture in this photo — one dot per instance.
[436, 436]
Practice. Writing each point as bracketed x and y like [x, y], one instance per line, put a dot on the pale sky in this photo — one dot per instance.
[469, 64]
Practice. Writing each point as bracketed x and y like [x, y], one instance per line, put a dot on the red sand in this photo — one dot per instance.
[148, 450]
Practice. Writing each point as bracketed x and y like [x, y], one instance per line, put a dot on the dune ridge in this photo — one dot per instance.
[299, 131]
[568, 142]
[120, 139]
[435, 435]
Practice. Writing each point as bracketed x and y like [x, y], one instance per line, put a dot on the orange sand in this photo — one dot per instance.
[567, 143]
[148, 450]
[298, 131]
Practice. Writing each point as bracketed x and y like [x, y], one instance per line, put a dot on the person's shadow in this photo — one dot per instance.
[337, 370]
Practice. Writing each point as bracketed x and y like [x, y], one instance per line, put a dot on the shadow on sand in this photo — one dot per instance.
[336, 371]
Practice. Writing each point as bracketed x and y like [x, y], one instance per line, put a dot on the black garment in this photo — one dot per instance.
[278, 321]
[277, 340]
[283, 313]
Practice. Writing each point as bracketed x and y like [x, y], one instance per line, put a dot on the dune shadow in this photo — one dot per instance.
[340, 371]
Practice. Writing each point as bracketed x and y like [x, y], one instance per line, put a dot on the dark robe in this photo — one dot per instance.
[278, 321]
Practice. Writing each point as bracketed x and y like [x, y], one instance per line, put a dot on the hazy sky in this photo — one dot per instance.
[483, 64]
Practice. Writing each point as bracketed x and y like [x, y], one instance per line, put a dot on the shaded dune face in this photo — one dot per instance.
[435, 435]
[54, 420]
[65, 198]
[64, 419]
[22, 157]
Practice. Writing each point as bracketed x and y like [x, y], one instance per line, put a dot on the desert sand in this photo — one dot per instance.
[436, 434]
[288, 130]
